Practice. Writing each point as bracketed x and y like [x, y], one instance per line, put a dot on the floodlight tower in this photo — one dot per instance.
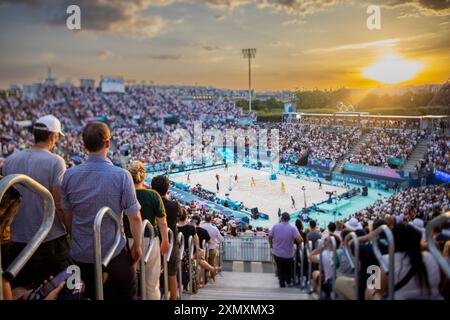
[249, 53]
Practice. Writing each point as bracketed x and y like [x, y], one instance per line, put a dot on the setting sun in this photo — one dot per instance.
[392, 69]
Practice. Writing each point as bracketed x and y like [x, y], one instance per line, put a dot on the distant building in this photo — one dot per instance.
[50, 81]
[15, 89]
[30, 91]
[87, 83]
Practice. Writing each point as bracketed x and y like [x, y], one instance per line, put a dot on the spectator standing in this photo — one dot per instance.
[299, 226]
[161, 185]
[86, 189]
[188, 231]
[47, 168]
[152, 208]
[281, 239]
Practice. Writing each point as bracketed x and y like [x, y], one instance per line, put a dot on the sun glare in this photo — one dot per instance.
[392, 69]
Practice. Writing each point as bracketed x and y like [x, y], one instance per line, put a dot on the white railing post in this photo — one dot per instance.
[180, 268]
[443, 218]
[146, 254]
[98, 247]
[47, 222]
[390, 267]
[166, 259]
[353, 258]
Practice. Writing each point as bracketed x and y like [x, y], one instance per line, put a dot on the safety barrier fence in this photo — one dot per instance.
[246, 249]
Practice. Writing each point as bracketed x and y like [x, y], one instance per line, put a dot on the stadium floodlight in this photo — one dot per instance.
[249, 53]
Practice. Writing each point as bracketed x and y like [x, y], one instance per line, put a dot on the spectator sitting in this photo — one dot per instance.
[354, 225]
[328, 266]
[416, 274]
[313, 234]
[260, 232]
[216, 237]
[249, 232]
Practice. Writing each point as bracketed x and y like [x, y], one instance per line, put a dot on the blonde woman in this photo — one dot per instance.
[152, 210]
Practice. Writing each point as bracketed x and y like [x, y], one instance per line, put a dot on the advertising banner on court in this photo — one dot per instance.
[350, 179]
[323, 164]
[373, 172]
[396, 161]
[443, 176]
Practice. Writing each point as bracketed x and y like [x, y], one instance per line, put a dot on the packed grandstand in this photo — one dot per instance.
[407, 156]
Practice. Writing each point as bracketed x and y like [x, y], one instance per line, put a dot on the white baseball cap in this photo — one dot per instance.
[353, 224]
[51, 124]
[418, 223]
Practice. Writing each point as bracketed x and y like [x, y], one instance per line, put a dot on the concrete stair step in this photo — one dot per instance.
[417, 154]
[247, 286]
[353, 149]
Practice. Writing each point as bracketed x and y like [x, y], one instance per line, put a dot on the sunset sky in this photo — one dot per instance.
[300, 43]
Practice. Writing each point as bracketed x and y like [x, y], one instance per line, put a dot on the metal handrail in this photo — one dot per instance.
[294, 274]
[197, 262]
[146, 225]
[47, 222]
[353, 258]
[180, 268]
[190, 252]
[302, 252]
[330, 240]
[390, 267]
[98, 247]
[220, 253]
[443, 218]
[206, 258]
[309, 249]
[166, 259]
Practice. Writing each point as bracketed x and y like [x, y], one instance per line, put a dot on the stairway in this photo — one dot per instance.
[248, 266]
[353, 149]
[73, 117]
[247, 286]
[119, 119]
[418, 154]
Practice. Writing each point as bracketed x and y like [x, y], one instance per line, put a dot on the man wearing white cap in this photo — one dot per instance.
[48, 169]
[353, 224]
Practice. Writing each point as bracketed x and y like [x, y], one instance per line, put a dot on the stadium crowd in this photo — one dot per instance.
[316, 141]
[383, 145]
[78, 193]
[421, 203]
[437, 156]
[43, 148]
[358, 121]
